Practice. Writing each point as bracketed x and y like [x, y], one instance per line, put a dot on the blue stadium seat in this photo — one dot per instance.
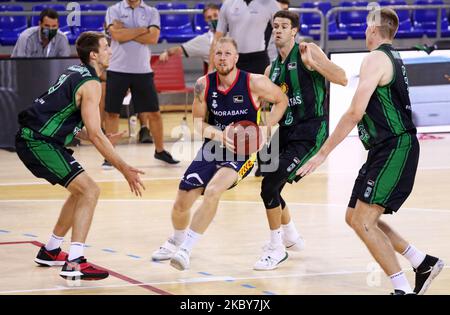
[200, 26]
[426, 19]
[11, 26]
[353, 23]
[310, 22]
[92, 22]
[405, 28]
[5, 0]
[175, 28]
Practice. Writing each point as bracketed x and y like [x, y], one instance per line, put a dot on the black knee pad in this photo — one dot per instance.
[270, 194]
[282, 203]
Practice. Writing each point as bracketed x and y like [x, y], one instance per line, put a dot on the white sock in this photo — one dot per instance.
[76, 250]
[179, 236]
[191, 239]
[399, 282]
[54, 242]
[275, 237]
[415, 256]
[290, 231]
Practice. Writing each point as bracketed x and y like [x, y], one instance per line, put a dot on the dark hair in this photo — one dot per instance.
[293, 17]
[284, 2]
[87, 42]
[49, 13]
[210, 6]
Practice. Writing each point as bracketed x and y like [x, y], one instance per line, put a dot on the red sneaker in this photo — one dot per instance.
[51, 258]
[80, 269]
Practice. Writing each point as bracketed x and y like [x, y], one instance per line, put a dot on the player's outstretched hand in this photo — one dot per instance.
[131, 174]
[311, 165]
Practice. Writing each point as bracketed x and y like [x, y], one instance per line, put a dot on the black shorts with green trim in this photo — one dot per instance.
[297, 145]
[46, 159]
[387, 177]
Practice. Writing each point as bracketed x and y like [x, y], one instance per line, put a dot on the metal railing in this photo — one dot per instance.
[324, 19]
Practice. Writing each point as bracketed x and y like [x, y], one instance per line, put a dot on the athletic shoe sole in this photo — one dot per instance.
[273, 267]
[437, 268]
[77, 275]
[47, 263]
[177, 265]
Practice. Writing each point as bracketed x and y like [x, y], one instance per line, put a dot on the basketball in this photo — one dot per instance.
[247, 137]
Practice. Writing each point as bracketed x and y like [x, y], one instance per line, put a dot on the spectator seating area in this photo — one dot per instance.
[177, 28]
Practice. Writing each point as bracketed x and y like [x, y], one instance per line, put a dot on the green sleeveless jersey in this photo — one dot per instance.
[55, 114]
[305, 89]
[388, 113]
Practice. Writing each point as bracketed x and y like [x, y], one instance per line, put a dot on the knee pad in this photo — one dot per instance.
[270, 194]
[282, 203]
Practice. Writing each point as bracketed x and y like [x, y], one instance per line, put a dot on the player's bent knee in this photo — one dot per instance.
[270, 196]
[212, 192]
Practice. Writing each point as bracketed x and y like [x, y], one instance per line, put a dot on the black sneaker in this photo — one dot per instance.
[144, 136]
[401, 292]
[51, 258]
[426, 272]
[166, 157]
[80, 269]
[107, 166]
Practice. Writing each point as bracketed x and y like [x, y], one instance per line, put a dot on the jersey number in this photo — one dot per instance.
[61, 80]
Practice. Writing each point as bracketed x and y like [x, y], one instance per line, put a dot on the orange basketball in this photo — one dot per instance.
[247, 137]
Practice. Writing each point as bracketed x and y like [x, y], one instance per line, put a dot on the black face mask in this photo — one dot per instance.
[49, 33]
[213, 25]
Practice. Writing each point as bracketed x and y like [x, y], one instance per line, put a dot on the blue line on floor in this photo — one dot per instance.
[269, 293]
[248, 286]
[109, 250]
[4, 231]
[134, 256]
[205, 273]
[29, 235]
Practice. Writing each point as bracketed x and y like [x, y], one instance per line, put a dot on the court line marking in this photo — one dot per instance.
[202, 280]
[304, 204]
[117, 275]
[150, 179]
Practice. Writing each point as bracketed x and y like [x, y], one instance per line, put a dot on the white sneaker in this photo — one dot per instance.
[295, 246]
[180, 260]
[272, 256]
[166, 251]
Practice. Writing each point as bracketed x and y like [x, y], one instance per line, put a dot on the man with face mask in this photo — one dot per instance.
[200, 45]
[44, 40]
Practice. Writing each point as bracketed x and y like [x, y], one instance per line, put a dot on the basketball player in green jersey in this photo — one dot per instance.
[46, 127]
[300, 70]
[381, 109]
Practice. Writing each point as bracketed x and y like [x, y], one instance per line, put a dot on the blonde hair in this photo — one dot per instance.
[386, 20]
[227, 39]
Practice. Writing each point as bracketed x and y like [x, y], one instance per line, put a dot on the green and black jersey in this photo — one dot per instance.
[388, 113]
[55, 114]
[304, 88]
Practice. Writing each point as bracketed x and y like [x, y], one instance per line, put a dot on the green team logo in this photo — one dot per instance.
[363, 134]
[289, 118]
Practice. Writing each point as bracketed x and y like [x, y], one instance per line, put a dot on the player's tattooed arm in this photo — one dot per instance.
[199, 90]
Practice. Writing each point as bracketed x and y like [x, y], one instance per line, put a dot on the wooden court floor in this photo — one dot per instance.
[126, 229]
